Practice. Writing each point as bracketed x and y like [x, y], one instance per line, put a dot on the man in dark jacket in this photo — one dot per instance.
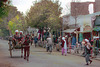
[21, 40]
[88, 52]
[35, 40]
[26, 48]
[50, 43]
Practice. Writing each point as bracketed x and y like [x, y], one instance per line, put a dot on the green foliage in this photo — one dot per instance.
[4, 8]
[44, 14]
[14, 20]
[1, 20]
[16, 23]
[1, 34]
[3, 11]
[5, 19]
[4, 32]
[10, 19]
[11, 26]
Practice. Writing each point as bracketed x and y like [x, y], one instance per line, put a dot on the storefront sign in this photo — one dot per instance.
[87, 28]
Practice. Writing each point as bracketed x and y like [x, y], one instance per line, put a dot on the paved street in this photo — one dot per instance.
[40, 58]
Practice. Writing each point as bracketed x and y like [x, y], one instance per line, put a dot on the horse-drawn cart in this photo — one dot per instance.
[15, 45]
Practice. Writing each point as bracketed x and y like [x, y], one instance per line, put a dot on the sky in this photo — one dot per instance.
[24, 5]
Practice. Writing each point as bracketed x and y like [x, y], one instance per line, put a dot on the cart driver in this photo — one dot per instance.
[16, 37]
[26, 48]
[21, 37]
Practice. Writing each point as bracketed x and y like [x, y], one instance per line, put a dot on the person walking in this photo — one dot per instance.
[77, 48]
[35, 40]
[32, 38]
[69, 44]
[49, 44]
[21, 40]
[88, 52]
[54, 41]
[26, 48]
[64, 46]
[84, 48]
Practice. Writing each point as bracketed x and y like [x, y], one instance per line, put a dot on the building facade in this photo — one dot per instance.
[97, 5]
[82, 17]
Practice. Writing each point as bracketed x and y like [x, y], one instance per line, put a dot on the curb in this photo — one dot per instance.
[98, 59]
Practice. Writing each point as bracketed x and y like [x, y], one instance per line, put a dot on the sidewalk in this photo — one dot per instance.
[98, 57]
[80, 54]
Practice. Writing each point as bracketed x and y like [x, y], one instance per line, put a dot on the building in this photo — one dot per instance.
[97, 5]
[80, 8]
[81, 17]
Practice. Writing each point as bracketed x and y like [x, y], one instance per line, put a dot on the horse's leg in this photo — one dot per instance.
[21, 51]
[12, 45]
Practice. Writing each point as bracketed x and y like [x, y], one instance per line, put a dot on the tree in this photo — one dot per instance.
[16, 23]
[44, 14]
[4, 7]
[11, 14]
[5, 19]
[14, 20]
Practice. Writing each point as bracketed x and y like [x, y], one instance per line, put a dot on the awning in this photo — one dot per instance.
[85, 31]
[97, 21]
[69, 30]
[96, 28]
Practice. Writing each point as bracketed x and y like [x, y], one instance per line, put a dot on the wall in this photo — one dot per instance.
[97, 5]
[80, 8]
[82, 21]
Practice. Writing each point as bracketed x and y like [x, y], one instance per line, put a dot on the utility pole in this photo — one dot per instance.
[76, 23]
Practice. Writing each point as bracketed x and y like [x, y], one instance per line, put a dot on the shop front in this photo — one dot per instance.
[87, 32]
[73, 35]
[96, 31]
[96, 26]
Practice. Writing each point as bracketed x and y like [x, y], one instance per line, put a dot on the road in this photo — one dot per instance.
[40, 58]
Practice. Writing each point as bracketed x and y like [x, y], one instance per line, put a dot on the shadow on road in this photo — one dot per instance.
[38, 51]
[15, 57]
